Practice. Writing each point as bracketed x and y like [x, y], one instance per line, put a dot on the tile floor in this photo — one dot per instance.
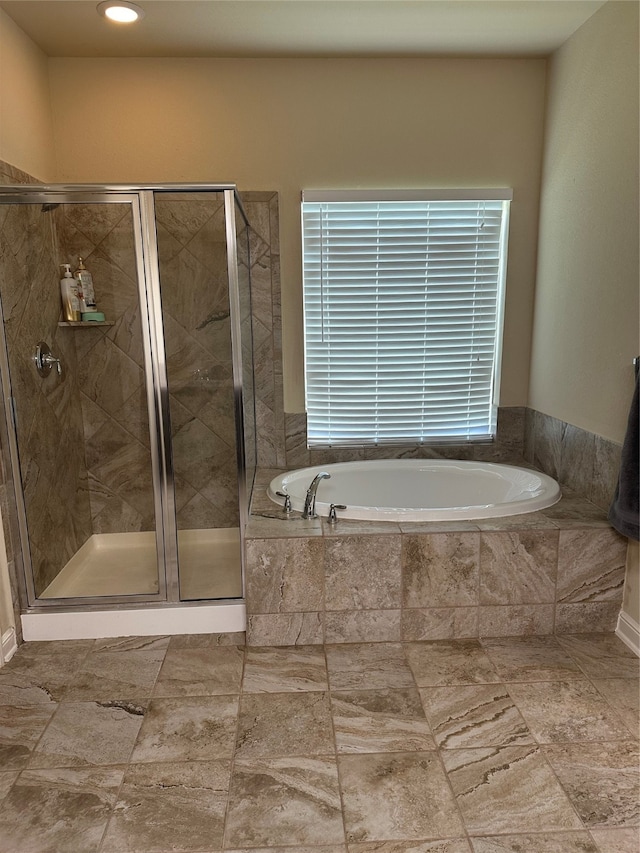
[518, 745]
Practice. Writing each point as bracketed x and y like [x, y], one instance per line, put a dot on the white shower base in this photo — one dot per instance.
[125, 564]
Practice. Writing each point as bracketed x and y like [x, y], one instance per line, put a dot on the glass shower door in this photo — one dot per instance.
[81, 446]
[196, 316]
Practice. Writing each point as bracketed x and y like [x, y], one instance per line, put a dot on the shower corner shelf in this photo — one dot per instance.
[86, 323]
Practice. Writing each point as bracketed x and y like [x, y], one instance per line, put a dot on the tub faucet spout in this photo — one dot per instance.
[309, 510]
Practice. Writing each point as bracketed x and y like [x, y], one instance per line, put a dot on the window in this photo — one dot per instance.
[403, 301]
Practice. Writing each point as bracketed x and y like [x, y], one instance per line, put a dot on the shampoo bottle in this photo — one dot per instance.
[85, 283]
[69, 294]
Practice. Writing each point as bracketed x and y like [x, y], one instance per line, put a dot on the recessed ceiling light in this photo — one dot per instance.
[121, 11]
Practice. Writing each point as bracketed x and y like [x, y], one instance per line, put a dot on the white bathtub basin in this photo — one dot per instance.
[420, 490]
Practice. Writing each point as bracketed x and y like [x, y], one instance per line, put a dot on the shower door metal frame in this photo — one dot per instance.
[230, 198]
[141, 199]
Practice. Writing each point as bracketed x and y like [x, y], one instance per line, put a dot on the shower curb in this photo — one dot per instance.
[147, 622]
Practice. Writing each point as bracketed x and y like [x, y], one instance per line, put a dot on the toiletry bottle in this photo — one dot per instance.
[69, 294]
[85, 280]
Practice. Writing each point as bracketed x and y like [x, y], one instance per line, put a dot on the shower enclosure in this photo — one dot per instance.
[131, 440]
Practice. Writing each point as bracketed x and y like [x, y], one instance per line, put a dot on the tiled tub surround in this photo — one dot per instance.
[507, 446]
[581, 460]
[586, 463]
[559, 571]
[201, 745]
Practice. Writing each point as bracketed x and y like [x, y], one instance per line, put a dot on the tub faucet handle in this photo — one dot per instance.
[333, 515]
[287, 502]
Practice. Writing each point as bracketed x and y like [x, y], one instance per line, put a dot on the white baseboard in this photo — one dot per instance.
[147, 622]
[629, 632]
[9, 645]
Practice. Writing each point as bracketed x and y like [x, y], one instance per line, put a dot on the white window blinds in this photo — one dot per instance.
[403, 317]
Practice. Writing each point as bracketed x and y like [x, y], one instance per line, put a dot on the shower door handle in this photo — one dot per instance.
[45, 360]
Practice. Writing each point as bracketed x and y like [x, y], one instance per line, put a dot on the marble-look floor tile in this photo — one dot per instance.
[380, 721]
[65, 811]
[381, 801]
[284, 669]
[109, 676]
[508, 789]
[20, 730]
[132, 644]
[368, 666]
[175, 807]
[89, 733]
[77, 649]
[531, 659]
[478, 715]
[450, 662]
[567, 711]
[617, 840]
[7, 778]
[284, 801]
[323, 848]
[200, 672]
[273, 725]
[601, 780]
[446, 845]
[545, 842]
[623, 694]
[189, 728]
[601, 655]
[36, 680]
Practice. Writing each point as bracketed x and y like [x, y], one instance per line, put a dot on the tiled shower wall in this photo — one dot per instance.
[10, 175]
[194, 282]
[262, 212]
[48, 414]
[111, 369]
[192, 251]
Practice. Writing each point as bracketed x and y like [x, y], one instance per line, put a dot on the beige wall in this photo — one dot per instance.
[586, 311]
[291, 124]
[26, 128]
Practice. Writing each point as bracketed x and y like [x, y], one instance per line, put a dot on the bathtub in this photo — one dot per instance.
[420, 489]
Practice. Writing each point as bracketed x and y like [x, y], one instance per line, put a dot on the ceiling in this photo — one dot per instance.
[296, 28]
